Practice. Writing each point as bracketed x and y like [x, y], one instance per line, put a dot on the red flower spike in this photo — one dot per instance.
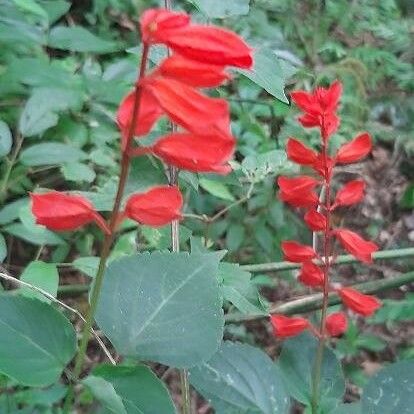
[188, 108]
[356, 245]
[196, 74]
[336, 324]
[156, 207]
[296, 252]
[62, 212]
[319, 167]
[355, 150]
[311, 275]
[300, 153]
[315, 220]
[157, 23]
[365, 305]
[298, 191]
[285, 327]
[149, 112]
[351, 193]
[196, 153]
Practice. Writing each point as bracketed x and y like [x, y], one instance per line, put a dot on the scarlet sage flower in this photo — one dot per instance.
[300, 153]
[336, 324]
[324, 167]
[192, 73]
[296, 252]
[285, 327]
[59, 211]
[355, 150]
[356, 245]
[315, 220]
[156, 207]
[351, 193]
[365, 305]
[311, 275]
[298, 191]
[196, 153]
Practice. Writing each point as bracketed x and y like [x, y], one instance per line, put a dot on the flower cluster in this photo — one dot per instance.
[200, 57]
[319, 110]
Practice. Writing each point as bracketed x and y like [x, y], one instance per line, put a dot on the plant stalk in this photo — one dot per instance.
[107, 243]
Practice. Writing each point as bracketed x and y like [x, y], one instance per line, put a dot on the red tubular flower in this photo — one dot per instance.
[285, 327]
[149, 112]
[192, 73]
[188, 108]
[323, 170]
[298, 190]
[355, 150]
[351, 193]
[365, 305]
[311, 275]
[196, 153]
[315, 220]
[156, 207]
[296, 252]
[336, 324]
[356, 245]
[300, 153]
[61, 212]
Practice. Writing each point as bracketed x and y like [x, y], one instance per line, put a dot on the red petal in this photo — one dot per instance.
[311, 275]
[296, 252]
[351, 193]
[300, 153]
[356, 245]
[285, 327]
[336, 324]
[315, 220]
[297, 184]
[329, 125]
[365, 305]
[355, 150]
[306, 102]
[156, 207]
[310, 121]
[319, 166]
[332, 96]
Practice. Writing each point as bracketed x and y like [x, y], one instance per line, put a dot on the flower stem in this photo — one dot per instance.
[107, 243]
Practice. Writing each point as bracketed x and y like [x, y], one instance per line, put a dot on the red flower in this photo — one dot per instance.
[300, 153]
[315, 220]
[355, 150]
[285, 327]
[321, 169]
[196, 153]
[351, 193]
[296, 252]
[356, 245]
[336, 324]
[208, 44]
[189, 108]
[156, 207]
[61, 212]
[196, 74]
[311, 275]
[298, 191]
[149, 112]
[365, 305]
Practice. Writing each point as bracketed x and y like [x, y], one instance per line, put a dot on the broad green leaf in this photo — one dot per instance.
[10, 211]
[260, 165]
[163, 307]
[37, 341]
[42, 275]
[78, 39]
[136, 388]
[354, 408]
[32, 7]
[395, 310]
[43, 397]
[216, 188]
[3, 248]
[390, 391]
[296, 363]
[6, 139]
[38, 236]
[76, 171]
[241, 379]
[235, 236]
[221, 9]
[50, 153]
[87, 265]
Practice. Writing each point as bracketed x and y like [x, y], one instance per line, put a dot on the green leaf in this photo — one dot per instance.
[216, 188]
[76, 171]
[395, 310]
[390, 391]
[88, 265]
[235, 236]
[137, 390]
[261, 165]
[354, 408]
[296, 363]
[50, 153]
[78, 39]
[42, 275]
[6, 139]
[221, 9]
[32, 7]
[37, 341]
[241, 379]
[43, 397]
[3, 248]
[163, 307]
[10, 212]
[38, 236]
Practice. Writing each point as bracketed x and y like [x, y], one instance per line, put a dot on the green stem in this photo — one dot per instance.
[106, 246]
